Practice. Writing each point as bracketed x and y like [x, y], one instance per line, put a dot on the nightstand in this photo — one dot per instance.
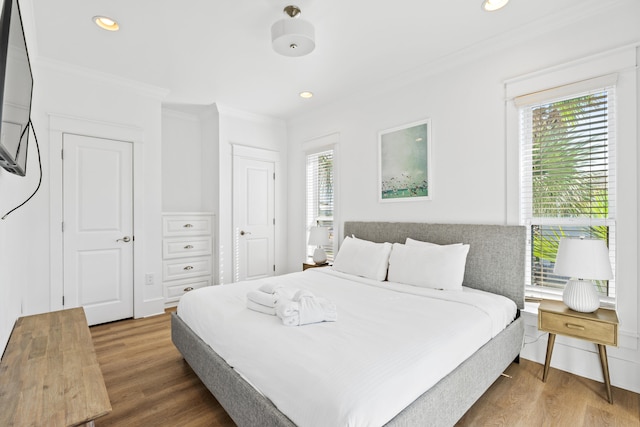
[306, 265]
[599, 327]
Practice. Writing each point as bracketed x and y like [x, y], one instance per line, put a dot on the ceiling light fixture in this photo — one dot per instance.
[106, 23]
[306, 94]
[493, 5]
[293, 36]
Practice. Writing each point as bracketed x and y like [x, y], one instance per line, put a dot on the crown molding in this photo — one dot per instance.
[144, 89]
[230, 112]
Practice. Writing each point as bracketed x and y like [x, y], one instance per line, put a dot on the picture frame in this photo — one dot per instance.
[404, 163]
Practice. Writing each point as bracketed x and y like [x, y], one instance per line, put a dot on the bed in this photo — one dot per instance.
[494, 264]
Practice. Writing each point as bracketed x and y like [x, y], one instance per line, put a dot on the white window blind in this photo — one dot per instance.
[320, 196]
[567, 176]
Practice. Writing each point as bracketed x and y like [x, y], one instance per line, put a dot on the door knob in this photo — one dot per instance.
[124, 239]
[242, 232]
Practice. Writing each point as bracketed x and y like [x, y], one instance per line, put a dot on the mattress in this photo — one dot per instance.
[390, 344]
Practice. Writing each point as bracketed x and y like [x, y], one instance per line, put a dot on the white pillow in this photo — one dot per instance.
[363, 258]
[412, 242]
[428, 266]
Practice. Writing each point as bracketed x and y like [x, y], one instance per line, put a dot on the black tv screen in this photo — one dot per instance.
[16, 85]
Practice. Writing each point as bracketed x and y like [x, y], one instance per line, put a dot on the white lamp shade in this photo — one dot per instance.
[318, 236]
[493, 5]
[583, 259]
[293, 37]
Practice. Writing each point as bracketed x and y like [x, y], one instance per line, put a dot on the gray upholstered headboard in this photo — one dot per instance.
[495, 262]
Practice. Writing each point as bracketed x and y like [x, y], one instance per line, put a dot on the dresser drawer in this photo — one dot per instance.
[592, 330]
[186, 247]
[184, 268]
[181, 287]
[184, 225]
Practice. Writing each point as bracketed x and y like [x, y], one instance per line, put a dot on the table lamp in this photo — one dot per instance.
[582, 260]
[318, 237]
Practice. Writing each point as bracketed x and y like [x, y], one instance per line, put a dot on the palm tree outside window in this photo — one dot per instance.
[567, 179]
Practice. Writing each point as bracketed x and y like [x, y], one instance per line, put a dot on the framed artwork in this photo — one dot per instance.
[405, 163]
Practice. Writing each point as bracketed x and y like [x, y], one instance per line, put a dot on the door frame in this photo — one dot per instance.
[58, 126]
[263, 155]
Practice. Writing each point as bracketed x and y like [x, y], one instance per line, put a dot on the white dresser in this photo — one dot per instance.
[187, 253]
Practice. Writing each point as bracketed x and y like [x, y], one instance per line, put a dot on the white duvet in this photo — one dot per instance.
[390, 344]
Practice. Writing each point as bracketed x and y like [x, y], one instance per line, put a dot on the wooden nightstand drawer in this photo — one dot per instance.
[592, 330]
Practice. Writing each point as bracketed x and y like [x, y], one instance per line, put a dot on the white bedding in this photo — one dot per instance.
[390, 344]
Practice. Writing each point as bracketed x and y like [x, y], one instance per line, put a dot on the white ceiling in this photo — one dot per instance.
[219, 51]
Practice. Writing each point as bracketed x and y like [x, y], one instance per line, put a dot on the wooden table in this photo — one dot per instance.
[49, 374]
[599, 327]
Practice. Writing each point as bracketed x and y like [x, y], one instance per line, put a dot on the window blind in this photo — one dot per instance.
[319, 196]
[567, 176]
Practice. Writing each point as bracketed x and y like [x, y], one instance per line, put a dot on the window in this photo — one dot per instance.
[320, 195]
[567, 176]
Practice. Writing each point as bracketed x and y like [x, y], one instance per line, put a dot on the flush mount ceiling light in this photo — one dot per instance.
[106, 23]
[293, 36]
[493, 5]
[306, 94]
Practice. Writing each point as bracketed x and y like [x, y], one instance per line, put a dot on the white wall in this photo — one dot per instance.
[14, 244]
[26, 252]
[182, 142]
[464, 96]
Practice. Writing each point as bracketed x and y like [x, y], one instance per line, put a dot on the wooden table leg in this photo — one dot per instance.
[547, 360]
[602, 349]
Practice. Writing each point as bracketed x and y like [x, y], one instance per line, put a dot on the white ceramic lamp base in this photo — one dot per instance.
[580, 295]
[319, 256]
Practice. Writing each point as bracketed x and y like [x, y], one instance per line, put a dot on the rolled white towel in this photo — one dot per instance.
[260, 308]
[286, 308]
[263, 298]
[302, 293]
[293, 320]
[314, 310]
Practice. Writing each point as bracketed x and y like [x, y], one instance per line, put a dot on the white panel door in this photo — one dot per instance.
[254, 210]
[98, 226]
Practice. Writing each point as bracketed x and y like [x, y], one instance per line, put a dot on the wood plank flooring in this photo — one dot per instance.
[150, 384]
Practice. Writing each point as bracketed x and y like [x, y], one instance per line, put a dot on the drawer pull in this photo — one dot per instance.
[189, 247]
[188, 267]
[576, 327]
[188, 225]
[187, 289]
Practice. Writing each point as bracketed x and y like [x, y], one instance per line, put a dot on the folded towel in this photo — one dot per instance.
[309, 309]
[270, 299]
[263, 298]
[260, 308]
[302, 294]
[286, 308]
[270, 288]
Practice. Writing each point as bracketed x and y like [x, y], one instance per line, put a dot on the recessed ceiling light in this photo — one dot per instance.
[306, 94]
[493, 5]
[106, 23]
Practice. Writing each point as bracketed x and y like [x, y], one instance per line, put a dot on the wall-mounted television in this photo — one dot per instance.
[16, 86]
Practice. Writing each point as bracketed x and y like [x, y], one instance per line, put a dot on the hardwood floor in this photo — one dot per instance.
[149, 384]
[148, 381]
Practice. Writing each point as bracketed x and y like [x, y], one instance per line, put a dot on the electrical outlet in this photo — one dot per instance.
[148, 279]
